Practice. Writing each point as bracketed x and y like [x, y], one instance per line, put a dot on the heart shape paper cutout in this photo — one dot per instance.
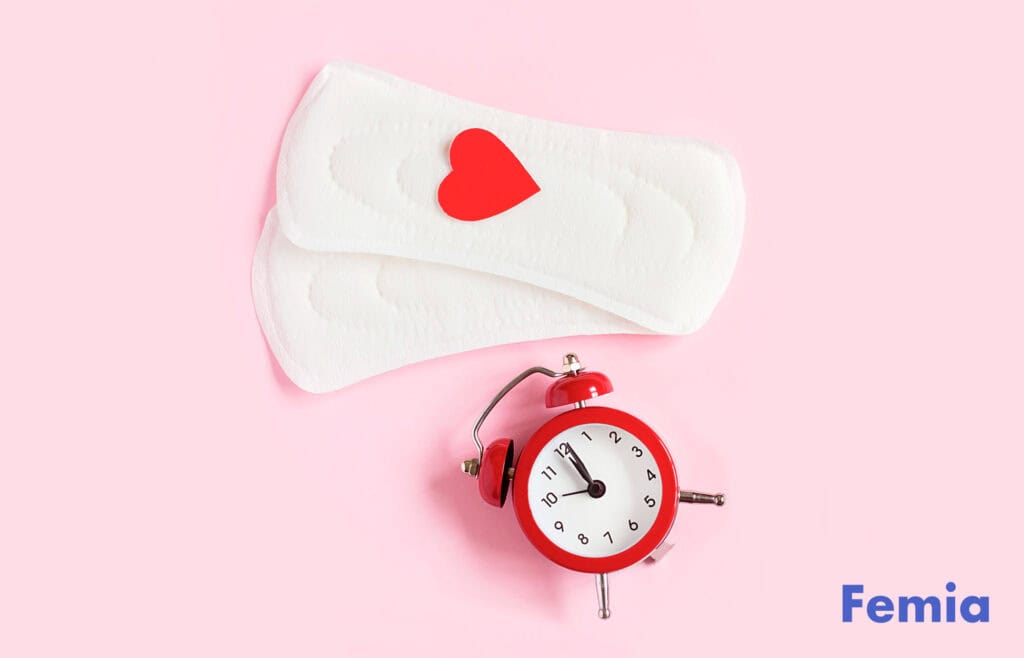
[486, 177]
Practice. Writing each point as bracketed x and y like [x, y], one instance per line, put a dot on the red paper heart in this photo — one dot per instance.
[486, 178]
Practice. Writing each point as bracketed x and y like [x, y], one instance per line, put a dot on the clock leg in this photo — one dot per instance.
[603, 611]
[708, 499]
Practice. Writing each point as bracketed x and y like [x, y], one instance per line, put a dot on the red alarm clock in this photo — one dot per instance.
[594, 489]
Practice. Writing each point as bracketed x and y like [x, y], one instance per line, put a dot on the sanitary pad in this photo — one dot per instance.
[359, 269]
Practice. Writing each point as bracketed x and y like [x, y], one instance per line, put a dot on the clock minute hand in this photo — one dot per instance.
[578, 464]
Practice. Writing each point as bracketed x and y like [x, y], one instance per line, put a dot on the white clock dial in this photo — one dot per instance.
[601, 519]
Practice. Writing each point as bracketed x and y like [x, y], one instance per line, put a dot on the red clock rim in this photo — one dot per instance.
[669, 489]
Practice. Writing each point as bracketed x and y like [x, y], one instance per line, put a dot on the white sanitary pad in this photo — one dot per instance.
[359, 270]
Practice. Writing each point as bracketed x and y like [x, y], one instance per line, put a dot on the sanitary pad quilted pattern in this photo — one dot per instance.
[359, 270]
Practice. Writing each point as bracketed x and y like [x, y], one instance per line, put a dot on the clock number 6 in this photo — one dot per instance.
[633, 525]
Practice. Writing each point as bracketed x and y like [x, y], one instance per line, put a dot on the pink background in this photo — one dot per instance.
[166, 491]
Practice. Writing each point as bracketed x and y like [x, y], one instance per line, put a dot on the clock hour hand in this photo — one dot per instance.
[595, 488]
[577, 463]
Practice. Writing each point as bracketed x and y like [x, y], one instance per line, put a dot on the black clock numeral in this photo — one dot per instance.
[559, 526]
[650, 475]
[587, 435]
[549, 499]
[647, 499]
[608, 534]
[638, 452]
[562, 450]
[549, 472]
[614, 436]
[633, 525]
[583, 538]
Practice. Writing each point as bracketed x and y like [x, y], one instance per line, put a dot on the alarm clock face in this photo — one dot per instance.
[598, 490]
[604, 518]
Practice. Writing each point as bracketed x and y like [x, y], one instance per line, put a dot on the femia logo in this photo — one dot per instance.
[882, 609]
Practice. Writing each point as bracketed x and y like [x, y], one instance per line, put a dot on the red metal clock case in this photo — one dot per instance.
[669, 489]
